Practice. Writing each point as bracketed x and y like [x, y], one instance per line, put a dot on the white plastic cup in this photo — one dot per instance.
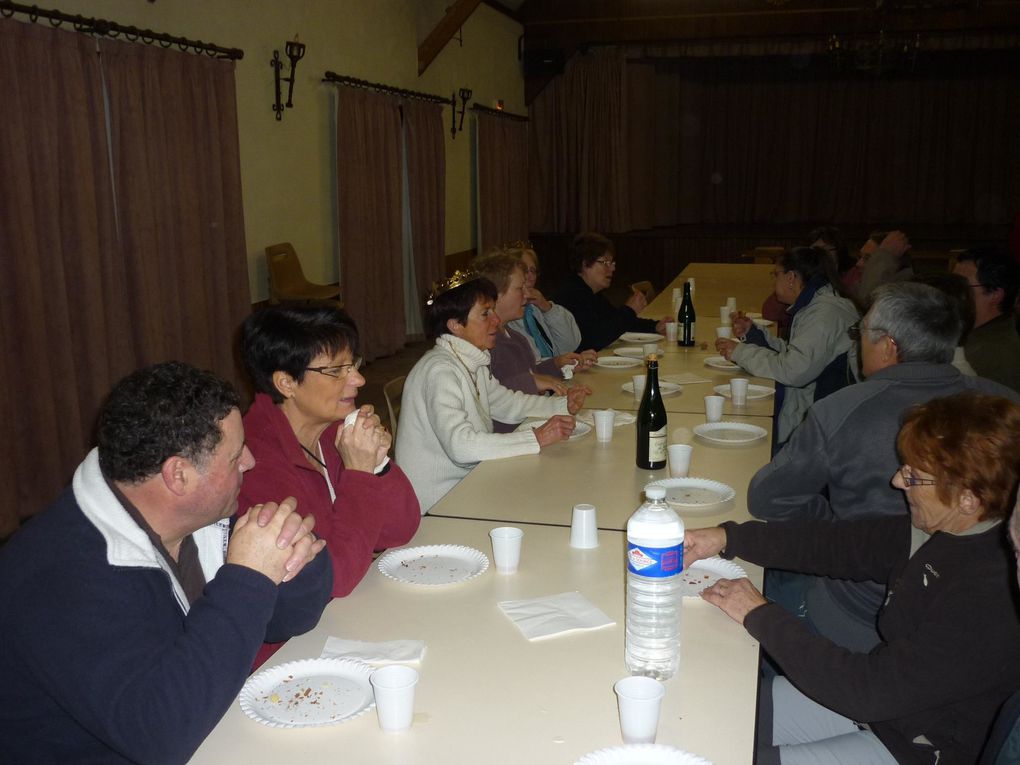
[506, 548]
[605, 420]
[394, 696]
[639, 385]
[725, 331]
[584, 530]
[724, 315]
[731, 303]
[738, 391]
[671, 331]
[639, 698]
[680, 460]
[678, 293]
[649, 348]
[713, 408]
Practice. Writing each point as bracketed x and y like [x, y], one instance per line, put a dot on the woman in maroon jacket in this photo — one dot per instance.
[304, 364]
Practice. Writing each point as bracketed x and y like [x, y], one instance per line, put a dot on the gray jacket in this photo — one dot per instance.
[817, 336]
[847, 445]
[559, 326]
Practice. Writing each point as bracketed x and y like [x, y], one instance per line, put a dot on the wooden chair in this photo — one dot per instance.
[287, 281]
[393, 390]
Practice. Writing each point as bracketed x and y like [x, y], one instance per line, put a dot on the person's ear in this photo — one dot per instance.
[178, 474]
[455, 327]
[284, 383]
[969, 504]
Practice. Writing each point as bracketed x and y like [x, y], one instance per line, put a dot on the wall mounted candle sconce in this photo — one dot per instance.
[295, 51]
[465, 96]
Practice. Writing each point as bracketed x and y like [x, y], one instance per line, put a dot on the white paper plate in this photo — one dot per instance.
[641, 337]
[704, 573]
[581, 428]
[763, 322]
[642, 754]
[665, 388]
[694, 496]
[729, 433]
[718, 362]
[633, 351]
[433, 565]
[753, 391]
[308, 693]
[618, 362]
[752, 315]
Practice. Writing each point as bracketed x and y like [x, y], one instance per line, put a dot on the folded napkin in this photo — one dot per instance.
[552, 615]
[389, 652]
[687, 378]
[621, 418]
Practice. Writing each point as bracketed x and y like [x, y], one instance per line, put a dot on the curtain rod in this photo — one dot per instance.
[106, 28]
[499, 113]
[342, 79]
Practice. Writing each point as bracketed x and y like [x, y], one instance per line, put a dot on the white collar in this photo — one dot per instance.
[127, 545]
[471, 356]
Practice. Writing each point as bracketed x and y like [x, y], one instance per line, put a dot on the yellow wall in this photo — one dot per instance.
[286, 167]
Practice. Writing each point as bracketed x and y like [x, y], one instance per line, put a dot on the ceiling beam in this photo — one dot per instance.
[506, 11]
[447, 27]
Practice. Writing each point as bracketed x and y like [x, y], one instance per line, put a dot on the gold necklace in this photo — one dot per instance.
[474, 383]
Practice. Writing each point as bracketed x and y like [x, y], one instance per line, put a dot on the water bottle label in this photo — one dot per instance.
[657, 562]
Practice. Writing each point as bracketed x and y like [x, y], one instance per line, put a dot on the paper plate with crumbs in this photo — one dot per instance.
[641, 337]
[308, 693]
[718, 362]
[696, 496]
[729, 433]
[665, 388]
[618, 362]
[433, 565]
[754, 392]
[705, 573]
[630, 352]
[642, 754]
[581, 428]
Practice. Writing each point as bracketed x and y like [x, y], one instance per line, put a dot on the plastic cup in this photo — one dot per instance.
[680, 460]
[738, 391]
[671, 331]
[394, 696]
[713, 408]
[678, 293]
[731, 303]
[724, 315]
[639, 385]
[639, 699]
[605, 419]
[725, 331]
[506, 548]
[649, 348]
[584, 530]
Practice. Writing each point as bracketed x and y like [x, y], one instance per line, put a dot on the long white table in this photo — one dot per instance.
[487, 694]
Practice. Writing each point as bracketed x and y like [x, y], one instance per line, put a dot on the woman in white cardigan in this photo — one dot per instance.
[450, 398]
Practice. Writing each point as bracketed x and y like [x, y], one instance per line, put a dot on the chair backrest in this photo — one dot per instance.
[285, 275]
[1003, 745]
[393, 390]
[644, 288]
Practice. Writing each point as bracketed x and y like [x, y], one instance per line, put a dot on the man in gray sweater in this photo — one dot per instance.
[839, 462]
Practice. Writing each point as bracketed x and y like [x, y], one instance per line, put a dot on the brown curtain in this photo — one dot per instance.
[369, 170]
[502, 180]
[60, 344]
[83, 303]
[173, 126]
[578, 177]
[426, 174]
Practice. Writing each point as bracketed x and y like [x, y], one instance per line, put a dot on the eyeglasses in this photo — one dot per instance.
[531, 270]
[340, 370]
[607, 262]
[910, 480]
[854, 330]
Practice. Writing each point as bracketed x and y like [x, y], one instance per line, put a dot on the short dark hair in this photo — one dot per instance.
[586, 248]
[832, 238]
[160, 411]
[959, 292]
[456, 304]
[995, 270]
[811, 263]
[287, 339]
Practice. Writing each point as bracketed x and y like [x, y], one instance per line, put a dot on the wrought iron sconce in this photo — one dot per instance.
[465, 96]
[295, 52]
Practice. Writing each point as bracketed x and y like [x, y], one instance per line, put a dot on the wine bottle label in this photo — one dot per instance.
[657, 445]
[656, 562]
[688, 335]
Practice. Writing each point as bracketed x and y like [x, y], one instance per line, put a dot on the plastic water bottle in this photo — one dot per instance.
[655, 560]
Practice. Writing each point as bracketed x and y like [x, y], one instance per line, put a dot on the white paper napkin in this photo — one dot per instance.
[621, 418]
[348, 422]
[388, 652]
[539, 618]
[686, 378]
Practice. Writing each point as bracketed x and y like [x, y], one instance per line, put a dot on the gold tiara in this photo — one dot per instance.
[459, 278]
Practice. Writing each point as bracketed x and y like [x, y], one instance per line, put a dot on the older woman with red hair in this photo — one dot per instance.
[950, 628]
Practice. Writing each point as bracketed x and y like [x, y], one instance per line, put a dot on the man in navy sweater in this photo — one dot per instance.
[131, 610]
